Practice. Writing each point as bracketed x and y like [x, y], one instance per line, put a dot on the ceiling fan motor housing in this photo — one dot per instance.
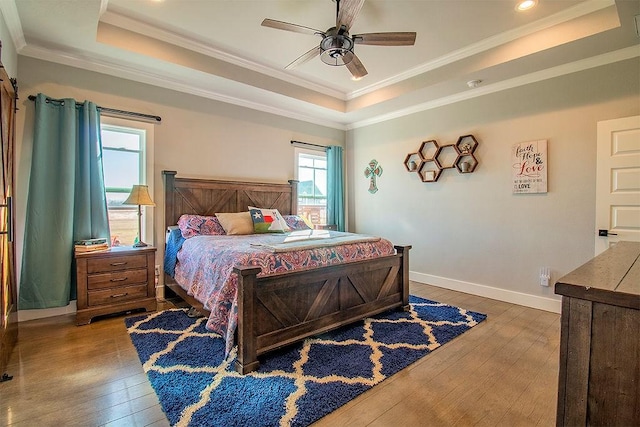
[336, 47]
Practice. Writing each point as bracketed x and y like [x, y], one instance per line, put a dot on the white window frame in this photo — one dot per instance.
[316, 153]
[146, 166]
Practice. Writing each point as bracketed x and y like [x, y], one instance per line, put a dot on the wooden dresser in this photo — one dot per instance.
[117, 280]
[599, 381]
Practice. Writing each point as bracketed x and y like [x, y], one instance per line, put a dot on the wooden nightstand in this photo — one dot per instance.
[113, 281]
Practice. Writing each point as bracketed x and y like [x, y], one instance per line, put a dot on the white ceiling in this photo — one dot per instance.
[218, 49]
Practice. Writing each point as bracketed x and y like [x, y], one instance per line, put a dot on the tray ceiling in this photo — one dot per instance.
[218, 49]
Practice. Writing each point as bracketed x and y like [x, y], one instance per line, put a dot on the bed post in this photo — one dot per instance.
[247, 359]
[404, 274]
[169, 187]
[169, 183]
[294, 196]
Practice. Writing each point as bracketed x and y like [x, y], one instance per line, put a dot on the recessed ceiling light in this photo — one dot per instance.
[526, 5]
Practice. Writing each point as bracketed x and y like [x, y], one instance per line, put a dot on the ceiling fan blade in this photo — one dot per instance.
[279, 25]
[386, 39]
[348, 12]
[356, 68]
[305, 57]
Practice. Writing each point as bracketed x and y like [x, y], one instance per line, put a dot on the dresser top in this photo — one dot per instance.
[613, 277]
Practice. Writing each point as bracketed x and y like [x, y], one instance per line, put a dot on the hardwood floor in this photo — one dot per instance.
[503, 372]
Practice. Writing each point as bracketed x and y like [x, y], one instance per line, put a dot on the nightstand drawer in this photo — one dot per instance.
[117, 279]
[116, 295]
[125, 262]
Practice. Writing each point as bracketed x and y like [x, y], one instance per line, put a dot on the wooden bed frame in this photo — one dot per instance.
[274, 311]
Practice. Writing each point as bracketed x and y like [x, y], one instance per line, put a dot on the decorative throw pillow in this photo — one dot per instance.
[296, 222]
[236, 223]
[267, 221]
[198, 225]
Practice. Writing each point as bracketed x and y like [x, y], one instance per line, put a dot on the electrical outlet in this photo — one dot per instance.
[157, 270]
[545, 276]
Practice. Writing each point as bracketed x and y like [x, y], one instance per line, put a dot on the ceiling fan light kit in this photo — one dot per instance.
[336, 47]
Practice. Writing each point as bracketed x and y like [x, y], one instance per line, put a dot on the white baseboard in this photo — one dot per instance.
[528, 300]
[520, 298]
[24, 315]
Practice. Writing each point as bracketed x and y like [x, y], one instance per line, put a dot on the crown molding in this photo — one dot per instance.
[140, 27]
[142, 75]
[560, 70]
[12, 19]
[568, 14]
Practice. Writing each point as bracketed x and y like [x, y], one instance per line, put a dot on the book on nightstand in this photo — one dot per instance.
[91, 245]
[90, 242]
[92, 248]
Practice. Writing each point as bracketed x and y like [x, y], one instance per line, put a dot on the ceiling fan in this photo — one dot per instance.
[336, 46]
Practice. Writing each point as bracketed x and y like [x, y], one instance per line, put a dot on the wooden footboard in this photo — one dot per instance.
[274, 311]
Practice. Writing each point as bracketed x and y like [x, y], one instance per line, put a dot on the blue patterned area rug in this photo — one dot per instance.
[294, 386]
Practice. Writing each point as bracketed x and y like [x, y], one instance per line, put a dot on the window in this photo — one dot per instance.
[125, 154]
[312, 186]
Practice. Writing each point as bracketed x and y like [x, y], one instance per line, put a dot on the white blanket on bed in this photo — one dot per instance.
[309, 239]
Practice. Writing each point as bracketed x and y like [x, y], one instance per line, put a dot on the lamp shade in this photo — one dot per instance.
[139, 196]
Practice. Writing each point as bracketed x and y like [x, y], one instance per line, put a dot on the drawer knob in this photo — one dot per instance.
[115, 264]
[122, 279]
[120, 295]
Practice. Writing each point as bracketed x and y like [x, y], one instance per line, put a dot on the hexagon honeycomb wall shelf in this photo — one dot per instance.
[431, 159]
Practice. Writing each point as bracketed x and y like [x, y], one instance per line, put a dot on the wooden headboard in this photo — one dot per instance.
[207, 196]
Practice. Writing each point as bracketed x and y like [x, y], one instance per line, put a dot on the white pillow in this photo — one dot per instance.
[236, 223]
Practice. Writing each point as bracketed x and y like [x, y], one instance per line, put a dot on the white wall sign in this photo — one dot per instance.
[529, 160]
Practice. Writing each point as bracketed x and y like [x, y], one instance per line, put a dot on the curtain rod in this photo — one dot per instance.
[112, 111]
[308, 144]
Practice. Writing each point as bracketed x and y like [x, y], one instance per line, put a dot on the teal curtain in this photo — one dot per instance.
[335, 187]
[66, 199]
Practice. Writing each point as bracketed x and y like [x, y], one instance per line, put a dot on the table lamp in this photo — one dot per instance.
[139, 196]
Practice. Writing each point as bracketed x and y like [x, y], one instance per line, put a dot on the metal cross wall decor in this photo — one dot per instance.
[372, 171]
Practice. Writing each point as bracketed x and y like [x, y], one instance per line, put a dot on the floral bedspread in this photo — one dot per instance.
[205, 269]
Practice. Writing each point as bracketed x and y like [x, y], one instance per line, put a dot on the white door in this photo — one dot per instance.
[618, 182]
